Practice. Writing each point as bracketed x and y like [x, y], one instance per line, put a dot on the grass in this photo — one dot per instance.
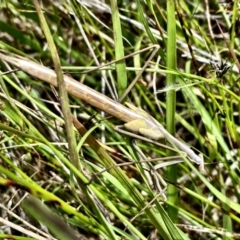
[61, 170]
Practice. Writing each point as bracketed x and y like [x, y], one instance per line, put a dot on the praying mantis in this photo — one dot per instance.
[136, 119]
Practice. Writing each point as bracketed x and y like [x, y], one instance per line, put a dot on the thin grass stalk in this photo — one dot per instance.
[63, 95]
[122, 82]
[171, 103]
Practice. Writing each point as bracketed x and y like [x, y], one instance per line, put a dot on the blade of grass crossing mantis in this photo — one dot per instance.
[62, 91]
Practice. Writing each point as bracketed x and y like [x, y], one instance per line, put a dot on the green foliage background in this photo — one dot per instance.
[62, 171]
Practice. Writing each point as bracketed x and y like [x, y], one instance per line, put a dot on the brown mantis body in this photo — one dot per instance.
[136, 119]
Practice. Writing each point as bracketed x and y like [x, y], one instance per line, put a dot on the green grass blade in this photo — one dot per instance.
[171, 103]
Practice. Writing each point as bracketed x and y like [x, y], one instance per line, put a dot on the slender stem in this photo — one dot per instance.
[171, 103]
